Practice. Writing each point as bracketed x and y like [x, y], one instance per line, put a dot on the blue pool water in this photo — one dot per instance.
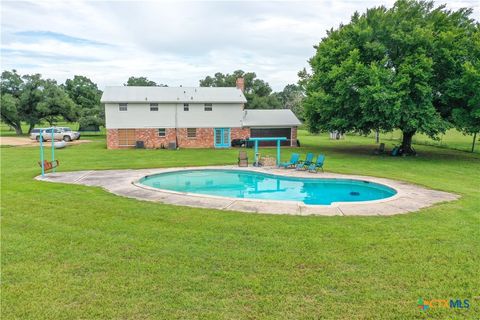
[255, 185]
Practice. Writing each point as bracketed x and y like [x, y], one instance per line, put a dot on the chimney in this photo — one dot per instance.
[240, 84]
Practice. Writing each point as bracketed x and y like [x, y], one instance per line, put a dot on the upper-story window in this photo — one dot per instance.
[208, 107]
[186, 107]
[122, 107]
[153, 106]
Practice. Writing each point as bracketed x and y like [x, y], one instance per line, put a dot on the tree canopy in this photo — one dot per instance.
[10, 88]
[291, 97]
[258, 92]
[86, 95]
[142, 82]
[391, 68]
[31, 99]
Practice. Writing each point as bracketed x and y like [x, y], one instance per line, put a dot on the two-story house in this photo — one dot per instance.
[203, 117]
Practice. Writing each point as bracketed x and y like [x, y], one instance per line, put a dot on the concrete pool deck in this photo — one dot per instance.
[409, 197]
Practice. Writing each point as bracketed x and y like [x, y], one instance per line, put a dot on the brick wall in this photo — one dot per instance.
[112, 139]
[204, 138]
[239, 133]
[152, 140]
[148, 135]
[294, 136]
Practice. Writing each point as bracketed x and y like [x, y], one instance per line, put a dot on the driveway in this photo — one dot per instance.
[27, 142]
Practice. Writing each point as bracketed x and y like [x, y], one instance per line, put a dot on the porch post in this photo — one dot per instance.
[256, 153]
[41, 153]
[278, 152]
[53, 151]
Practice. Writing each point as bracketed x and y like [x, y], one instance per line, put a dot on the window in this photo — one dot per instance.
[191, 132]
[208, 107]
[126, 137]
[122, 107]
[161, 132]
[153, 106]
[186, 107]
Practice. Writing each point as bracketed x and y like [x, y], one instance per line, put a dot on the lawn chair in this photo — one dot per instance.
[243, 158]
[318, 164]
[292, 163]
[308, 161]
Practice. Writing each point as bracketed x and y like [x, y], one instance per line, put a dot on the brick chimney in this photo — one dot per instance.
[240, 84]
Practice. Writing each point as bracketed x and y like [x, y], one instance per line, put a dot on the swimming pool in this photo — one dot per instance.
[257, 185]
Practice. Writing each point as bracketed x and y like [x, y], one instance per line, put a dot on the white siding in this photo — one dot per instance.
[139, 115]
[221, 116]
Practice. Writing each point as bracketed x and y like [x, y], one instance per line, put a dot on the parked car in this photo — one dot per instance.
[60, 133]
[35, 133]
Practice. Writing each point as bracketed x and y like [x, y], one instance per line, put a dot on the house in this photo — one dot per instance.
[203, 117]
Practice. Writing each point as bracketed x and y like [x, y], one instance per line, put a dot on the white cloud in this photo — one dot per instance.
[170, 42]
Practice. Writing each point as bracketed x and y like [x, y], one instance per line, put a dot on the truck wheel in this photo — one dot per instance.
[67, 139]
[37, 138]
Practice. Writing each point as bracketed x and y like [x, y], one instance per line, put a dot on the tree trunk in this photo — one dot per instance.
[18, 130]
[407, 143]
[377, 136]
[473, 143]
[32, 125]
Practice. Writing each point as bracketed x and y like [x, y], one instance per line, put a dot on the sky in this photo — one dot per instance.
[172, 42]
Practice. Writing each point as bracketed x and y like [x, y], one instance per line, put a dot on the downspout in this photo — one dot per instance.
[176, 125]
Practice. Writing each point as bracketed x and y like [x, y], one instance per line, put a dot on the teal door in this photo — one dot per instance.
[222, 137]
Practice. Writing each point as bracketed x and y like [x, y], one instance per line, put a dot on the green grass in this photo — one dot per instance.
[452, 139]
[77, 252]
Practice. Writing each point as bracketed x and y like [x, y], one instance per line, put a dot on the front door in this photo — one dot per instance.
[222, 137]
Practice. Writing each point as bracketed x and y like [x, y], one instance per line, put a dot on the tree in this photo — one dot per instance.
[291, 97]
[258, 92]
[142, 82]
[84, 92]
[467, 117]
[31, 95]
[56, 104]
[10, 87]
[10, 113]
[466, 90]
[389, 69]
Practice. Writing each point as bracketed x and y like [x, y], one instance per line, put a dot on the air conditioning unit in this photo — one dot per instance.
[172, 145]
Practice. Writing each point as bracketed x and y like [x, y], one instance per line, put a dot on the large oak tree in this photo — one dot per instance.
[86, 95]
[391, 68]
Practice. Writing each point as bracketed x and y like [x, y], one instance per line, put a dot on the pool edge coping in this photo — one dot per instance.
[397, 195]
[409, 197]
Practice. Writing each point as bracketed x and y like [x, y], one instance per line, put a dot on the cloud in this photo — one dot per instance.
[177, 43]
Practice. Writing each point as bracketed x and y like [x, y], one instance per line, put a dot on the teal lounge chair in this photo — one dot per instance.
[308, 161]
[292, 163]
[318, 164]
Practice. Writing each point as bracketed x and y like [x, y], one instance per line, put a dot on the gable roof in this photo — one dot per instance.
[118, 94]
[271, 117]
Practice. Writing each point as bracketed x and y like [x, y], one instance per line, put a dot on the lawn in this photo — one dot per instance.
[72, 251]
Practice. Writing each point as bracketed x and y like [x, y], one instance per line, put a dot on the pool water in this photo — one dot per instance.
[256, 185]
